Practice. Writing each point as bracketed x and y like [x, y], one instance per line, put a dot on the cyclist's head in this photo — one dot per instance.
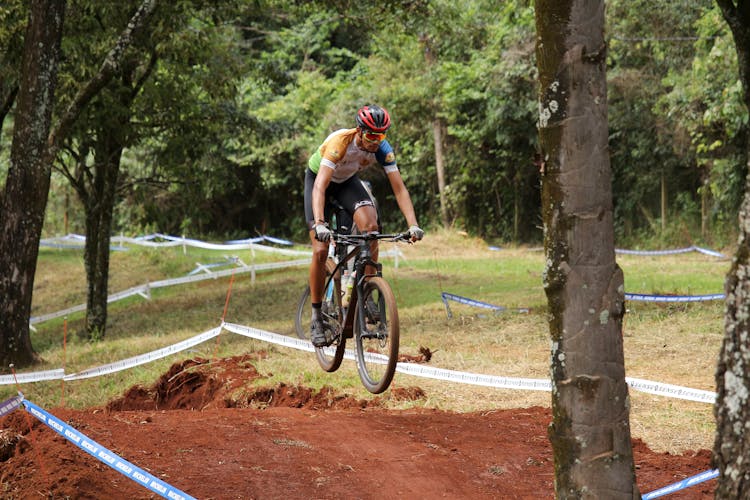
[373, 118]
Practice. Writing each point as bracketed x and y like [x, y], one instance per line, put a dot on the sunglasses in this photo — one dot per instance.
[373, 137]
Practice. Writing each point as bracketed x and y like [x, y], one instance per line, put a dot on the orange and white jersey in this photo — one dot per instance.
[340, 152]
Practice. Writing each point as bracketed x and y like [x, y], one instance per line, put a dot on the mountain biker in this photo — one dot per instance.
[332, 172]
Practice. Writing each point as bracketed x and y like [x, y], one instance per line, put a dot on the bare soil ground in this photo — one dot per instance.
[197, 429]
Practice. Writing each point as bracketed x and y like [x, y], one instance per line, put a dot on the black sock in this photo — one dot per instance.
[316, 306]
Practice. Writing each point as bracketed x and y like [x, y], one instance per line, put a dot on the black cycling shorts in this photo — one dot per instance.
[349, 195]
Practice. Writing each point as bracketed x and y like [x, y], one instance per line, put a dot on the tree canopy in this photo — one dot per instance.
[240, 93]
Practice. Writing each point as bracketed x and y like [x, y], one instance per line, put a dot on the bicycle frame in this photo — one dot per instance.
[362, 255]
[376, 331]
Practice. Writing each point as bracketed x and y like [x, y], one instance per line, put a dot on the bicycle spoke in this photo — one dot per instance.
[330, 358]
[377, 336]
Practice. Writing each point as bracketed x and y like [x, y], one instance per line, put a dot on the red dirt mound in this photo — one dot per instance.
[197, 429]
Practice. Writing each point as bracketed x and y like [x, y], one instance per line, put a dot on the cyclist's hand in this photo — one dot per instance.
[322, 233]
[416, 233]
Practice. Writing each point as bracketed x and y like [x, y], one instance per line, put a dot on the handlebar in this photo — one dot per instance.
[355, 239]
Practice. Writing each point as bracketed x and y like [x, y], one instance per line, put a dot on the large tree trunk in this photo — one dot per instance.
[34, 149]
[732, 409]
[27, 184]
[590, 430]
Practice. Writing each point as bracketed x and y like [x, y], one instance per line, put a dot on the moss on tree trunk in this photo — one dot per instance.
[590, 431]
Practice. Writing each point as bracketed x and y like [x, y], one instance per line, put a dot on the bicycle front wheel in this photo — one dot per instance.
[376, 334]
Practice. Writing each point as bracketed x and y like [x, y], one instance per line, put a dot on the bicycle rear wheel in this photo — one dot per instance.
[376, 333]
[330, 358]
[304, 311]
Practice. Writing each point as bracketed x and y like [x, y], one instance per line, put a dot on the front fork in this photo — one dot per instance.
[363, 263]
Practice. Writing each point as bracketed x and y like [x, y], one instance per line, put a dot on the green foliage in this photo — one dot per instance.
[645, 142]
[705, 109]
[240, 93]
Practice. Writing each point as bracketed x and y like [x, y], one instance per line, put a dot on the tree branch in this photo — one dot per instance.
[731, 14]
[8, 102]
[106, 72]
[146, 73]
[727, 7]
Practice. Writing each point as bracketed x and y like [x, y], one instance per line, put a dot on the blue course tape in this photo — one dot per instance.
[681, 485]
[471, 302]
[673, 298]
[98, 451]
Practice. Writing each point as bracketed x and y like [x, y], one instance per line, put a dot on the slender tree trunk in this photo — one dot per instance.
[437, 132]
[516, 207]
[590, 430]
[99, 208]
[705, 191]
[663, 204]
[27, 184]
[732, 409]
[6, 105]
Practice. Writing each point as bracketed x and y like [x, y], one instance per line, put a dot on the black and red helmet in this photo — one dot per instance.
[373, 118]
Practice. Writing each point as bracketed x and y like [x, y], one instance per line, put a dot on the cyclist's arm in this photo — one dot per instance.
[322, 179]
[402, 197]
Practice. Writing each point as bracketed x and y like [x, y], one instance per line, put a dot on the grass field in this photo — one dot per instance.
[672, 343]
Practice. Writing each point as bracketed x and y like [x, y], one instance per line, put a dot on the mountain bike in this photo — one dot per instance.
[366, 312]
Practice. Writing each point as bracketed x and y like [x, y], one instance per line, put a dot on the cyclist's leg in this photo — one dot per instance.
[368, 188]
[357, 200]
[344, 220]
[366, 218]
[317, 272]
[320, 249]
[317, 268]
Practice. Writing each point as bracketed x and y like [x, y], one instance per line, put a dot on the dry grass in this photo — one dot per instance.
[671, 344]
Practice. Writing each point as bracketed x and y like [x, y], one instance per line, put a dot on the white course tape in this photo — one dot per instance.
[229, 272]
[530, 384]
[672, 391]
[175, 241]
[144, 290]
[420, 370]
[274, 338]
[171, 241]
[57, 314]
[32, 376]
[704, 251]
[283, 340]
[409, 368]
[145, 358]
[417, 370]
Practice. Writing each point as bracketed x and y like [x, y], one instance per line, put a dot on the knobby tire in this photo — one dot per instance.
[377, 357]
[330, 358]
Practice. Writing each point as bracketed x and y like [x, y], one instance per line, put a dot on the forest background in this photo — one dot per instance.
[222, 108]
